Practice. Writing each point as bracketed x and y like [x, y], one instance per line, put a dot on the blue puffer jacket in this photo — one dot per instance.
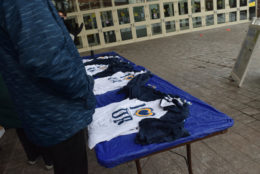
[43, 71]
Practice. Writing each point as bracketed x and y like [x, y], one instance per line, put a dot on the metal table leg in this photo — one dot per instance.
[138, 166]
[188, 146]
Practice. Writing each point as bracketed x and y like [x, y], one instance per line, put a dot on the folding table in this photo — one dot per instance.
[204, 122]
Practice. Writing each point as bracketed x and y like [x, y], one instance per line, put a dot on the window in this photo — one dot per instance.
[156, 28]
[141, 31]
[123, 16]
[93, 39]
[90, 21]
[154, 11]
[170, 26]
[233, 16]
[195, 5]
[243, 3]
[126, 33]
[78, 42]
[168, 9]
[196, 22]
[183, 7]
[243, 15]
[184, 24]
[125, 2]
[139, 14]
[220, 4]
[109, 36]
[209, 5]
[106, 18]
[88, 5]
[209, 20]
[232, 3]
[221, 18]
[65, 5]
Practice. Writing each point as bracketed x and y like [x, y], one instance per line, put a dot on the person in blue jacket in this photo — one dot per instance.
[10, 120]
[47, 81]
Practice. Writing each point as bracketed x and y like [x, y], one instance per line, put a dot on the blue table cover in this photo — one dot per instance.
[203, 120]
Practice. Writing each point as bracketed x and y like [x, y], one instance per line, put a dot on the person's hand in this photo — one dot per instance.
[78, 29]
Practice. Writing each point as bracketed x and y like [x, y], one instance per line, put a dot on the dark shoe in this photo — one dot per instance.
[31, 162]
[48, 167]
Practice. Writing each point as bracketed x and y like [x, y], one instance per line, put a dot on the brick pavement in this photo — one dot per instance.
[200, 66]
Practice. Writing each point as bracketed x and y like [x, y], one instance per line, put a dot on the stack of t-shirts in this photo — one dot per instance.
[110, 73]
[103, 67]
[101, 58]
[113, 82]
[129, 115]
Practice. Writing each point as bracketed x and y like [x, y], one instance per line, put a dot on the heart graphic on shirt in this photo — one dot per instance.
[144, 112]
[130, 77]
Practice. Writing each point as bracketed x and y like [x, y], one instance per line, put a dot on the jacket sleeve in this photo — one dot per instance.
[43, 46]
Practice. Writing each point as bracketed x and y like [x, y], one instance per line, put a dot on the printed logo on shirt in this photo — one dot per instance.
[130, 77]
[107, 57]
[121, 115]
[91, 69]
[95, 68]
[127, 76]
[102, 67]
[114, 79]
[144, 112]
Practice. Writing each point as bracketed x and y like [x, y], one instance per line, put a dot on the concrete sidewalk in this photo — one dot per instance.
[199, 63]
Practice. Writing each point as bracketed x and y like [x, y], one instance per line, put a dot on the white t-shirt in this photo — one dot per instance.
[116, 81]
[87, 60]
[107, 57]
[94, 69]
[100, 57]
[121, 118]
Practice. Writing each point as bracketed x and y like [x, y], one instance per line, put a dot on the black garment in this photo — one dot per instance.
[73, 29]
[100, 61]
[32, 151]
[8, 115]
[70, 156]
[154, 130]
[136, 89]
[114, 65]
[167, 128]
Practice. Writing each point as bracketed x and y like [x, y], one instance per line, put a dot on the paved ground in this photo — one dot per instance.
[200, 65]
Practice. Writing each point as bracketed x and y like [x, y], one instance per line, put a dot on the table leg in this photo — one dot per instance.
[138, 166]
[188, 146]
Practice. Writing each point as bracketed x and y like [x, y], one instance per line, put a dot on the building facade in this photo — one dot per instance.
[115, 22]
